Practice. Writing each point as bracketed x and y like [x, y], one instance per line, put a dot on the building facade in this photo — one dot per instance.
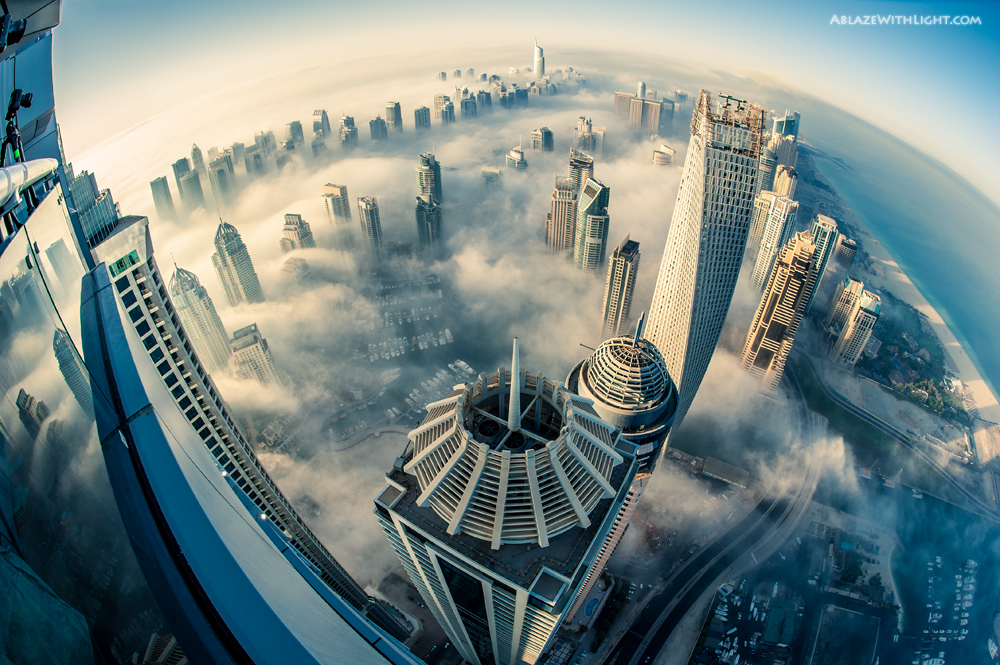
[707, 237]
[162, 199]
[394, 117]
[623, 267]
[235, 268]
[778, 224]
[428, 216]
[854, 335]
[429, 177]
[296, 234]
[846, 296]
[371, 230]
[581, 168]
[379, 129]
[251, 358]
[560, 222]
[825, 235]
[541, 140]
[421, 118]
[590, 240]
[200, 320]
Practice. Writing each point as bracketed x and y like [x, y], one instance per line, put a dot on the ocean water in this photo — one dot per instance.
[943, 232]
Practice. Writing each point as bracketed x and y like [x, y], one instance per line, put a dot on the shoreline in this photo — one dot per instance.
[890, 277]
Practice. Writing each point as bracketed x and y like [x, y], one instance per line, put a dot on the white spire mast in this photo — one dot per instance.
[514, 411]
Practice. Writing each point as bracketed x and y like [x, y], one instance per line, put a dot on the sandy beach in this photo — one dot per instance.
[889, 276]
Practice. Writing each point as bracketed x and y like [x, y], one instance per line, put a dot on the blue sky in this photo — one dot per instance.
[119, 62]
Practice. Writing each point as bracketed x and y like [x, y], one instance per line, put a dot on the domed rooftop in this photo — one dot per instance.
[629, 373]
[182, 280]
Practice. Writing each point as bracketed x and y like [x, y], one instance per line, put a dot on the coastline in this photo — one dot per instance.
[890, 277]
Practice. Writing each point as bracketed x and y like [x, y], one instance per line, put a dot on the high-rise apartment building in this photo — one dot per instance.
[516, 160]
[785, 148]
[500, 508]
[542, 140]
[842, 308]
[296, 234]
[220, 177]
[321, 123]
[846, 250]
[379, 129]
[428, 216]
[371, 229]
[200, 320]
[95, 207]
[766, 166]
[235, 268]
[623, 266]
[854, 335]
[824, 233]
[589, 139]
[707, 236]
[781, 308]
[785, 179]
[787, 125]
[197, 159]
[252, 356]
[538, 68]
[581, 168]
[393, 117]
[294, 133]
[590, 241]
[448, 113]
[560, 222]
[191, 191]
[643, 110]
[422, 118]
[439, 102]
[162, 200]
[484, 101]
[429, 177]
[778, 226]
[180, 167]
[337, 204]
[468, 107]
[348, 132]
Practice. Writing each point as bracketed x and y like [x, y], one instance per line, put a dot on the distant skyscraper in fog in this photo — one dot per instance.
[180, 167]
[705, 243]
[379, 130]
[371, 229]
[560, 222]
[321, 123]
[197, 159]
[581, 167]
[348, 132]
[252, 356]
[200, 320]
[422, 118]
[623, 266]
[541, 140]
[772, 227]
[294, 133]
[338, 210]
[296, 234]
[235, 268]
[220, 177]
[191, 192]
[539, 65]
[428, 216]
[429, 177]
[787, 125]
[393, 117]
[162, 200]
[73, 370]
[825, 234]
[590, 243]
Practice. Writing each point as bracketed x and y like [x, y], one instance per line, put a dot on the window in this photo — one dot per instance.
[142, 328]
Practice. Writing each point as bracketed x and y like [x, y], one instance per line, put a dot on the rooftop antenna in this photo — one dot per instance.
[638, 329]
[514, 410]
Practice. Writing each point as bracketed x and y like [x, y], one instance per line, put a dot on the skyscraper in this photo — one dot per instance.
[541, 139]
[484, 101]
[428, 215]
[516, 160]
[846, 250]
[773, 329]
[538, 68]
[787, 125]
[785, 179]
[785, 148]
[371, 229]
[191, 191]
[95, 208]
[393, 117]
[338, 210]
[498, 513]
[235, 268]
[590, 242]
[252, 357]
[844, 299]
[294, 133]
[197, 159]
[856, 331]
[296, 234]
[220, 177]
[348, 132]
[162, 200]
[824, 233]
[468, 107]
[766, 166]
[581, 167]
[623, 266]
[180, 167]
[429, 177]
[560, 222]
[321, 123]
[379, 130]
[778, 226]
[492, 178]
[73, 370]
[589, 138]
[422, 118]
[704, 249]
[200, 320]
[448, 113]
[439, 102]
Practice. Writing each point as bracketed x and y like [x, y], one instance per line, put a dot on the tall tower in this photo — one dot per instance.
[220, 177]
[788, 124]
[394, 117]
[294, 133]
[371, 229]
[439, 102]
[337, 204]
[379, 130]
[539, 67]
[844, 299]
[192, 193]
[701, 260]
[541, 139]
[429, 177]
[296, 234]
[773, 329]
[785, 179]
[252, 356]
[590, 242]
[854, 336]
[421, 118]
[428, 216]
[622, 270]
[234, 267]
[162, 200]
[321, 123]
[766, 166]
[197, 159]
[560, 222]
[73, 370]
[500, 506]
[200, 320]
[180, 167]
[824, 233]
[348, 132]
[581, 167]
[778, 227]
[630, 387]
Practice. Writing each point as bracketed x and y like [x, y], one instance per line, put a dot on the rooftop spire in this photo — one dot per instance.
[638, 328]
[514, 411]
